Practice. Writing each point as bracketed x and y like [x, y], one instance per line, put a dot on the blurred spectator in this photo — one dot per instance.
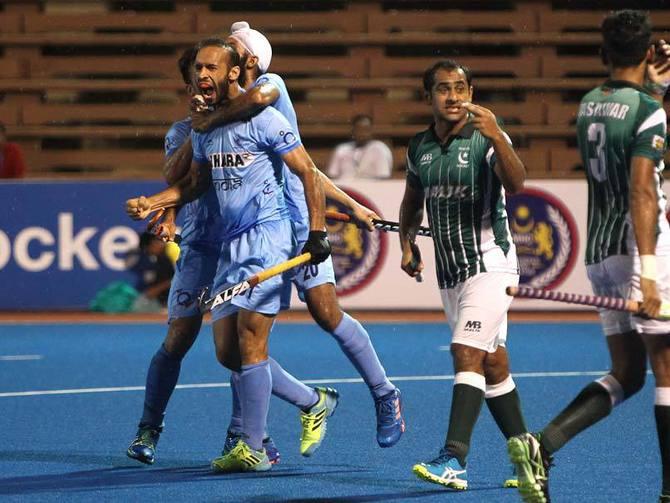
[364, 157]
[155, 274]
[12, 164]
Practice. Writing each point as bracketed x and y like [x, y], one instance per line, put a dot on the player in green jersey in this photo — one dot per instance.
[621, 128]
[461, 167]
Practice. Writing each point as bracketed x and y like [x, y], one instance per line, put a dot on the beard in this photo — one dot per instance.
[242, 79]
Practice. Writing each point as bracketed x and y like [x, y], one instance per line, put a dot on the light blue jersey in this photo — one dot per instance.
[247, 169]
[307, 276]
[200, 244]
[294, 191]
[201, 222]
[247, 176]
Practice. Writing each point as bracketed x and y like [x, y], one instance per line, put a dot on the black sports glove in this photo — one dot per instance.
[318, 245]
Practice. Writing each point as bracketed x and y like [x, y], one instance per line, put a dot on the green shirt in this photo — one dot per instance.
[616, 122]
[465, 203]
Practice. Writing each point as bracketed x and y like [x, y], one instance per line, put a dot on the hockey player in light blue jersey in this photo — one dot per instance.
[317, 290]
[244, 162]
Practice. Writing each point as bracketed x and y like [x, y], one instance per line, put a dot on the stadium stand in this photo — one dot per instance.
[90, 87]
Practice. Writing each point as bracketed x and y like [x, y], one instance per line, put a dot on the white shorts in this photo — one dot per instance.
[619, 276]
[477, 310]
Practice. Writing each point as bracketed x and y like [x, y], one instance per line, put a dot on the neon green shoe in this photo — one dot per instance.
[314, 421]
[532, 464]
[511, 482]
[242, 458]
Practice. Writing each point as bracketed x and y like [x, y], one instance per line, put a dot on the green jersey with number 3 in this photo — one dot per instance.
[616, 122]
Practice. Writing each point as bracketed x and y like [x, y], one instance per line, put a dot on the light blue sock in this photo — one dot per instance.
[255, 389]
[161, 380]
[284, 386]
[355, 343]
[289, 389]
[236, 416]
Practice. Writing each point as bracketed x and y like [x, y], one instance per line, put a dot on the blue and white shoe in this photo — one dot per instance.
[268, 444]
[390, 424]
[445, 470]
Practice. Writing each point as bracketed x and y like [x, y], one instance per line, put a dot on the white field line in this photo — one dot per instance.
[17, 358]
[352, 380]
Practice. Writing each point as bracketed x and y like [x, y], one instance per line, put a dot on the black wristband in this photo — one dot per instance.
[318, 234]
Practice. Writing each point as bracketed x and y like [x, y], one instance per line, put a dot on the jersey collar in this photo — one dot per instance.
[618, 84]
[466, 132]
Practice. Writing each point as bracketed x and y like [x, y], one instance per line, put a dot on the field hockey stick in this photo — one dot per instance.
[382, 225]
[526, 292]
[231, 292]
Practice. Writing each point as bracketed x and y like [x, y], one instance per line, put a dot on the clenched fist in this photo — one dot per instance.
[138, 208]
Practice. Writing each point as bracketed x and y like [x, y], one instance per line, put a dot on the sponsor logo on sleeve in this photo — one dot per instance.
[658, 142]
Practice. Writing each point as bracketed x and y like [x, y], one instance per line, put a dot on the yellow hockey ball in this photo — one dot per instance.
[172, 251]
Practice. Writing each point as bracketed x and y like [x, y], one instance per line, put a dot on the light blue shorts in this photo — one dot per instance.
[306, 277]
[261, 247]
[194, 271]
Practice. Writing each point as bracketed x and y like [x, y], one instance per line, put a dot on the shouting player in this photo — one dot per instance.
[244, 164]
[317, 290]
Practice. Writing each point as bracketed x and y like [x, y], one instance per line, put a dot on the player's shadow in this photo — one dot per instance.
[130, 476]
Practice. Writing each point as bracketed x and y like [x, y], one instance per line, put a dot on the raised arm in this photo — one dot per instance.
[178, 164]
[508, 166]
[644, 214]
[658, 72]
[241, 108]
[187, 189]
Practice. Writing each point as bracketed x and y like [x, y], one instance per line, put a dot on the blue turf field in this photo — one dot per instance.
[71, 446]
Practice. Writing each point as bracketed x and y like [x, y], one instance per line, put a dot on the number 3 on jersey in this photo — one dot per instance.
[597, 160]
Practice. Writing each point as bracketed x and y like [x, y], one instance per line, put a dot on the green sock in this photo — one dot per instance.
[662, 413]
[466, 403]
[591, 405]
[506, 410]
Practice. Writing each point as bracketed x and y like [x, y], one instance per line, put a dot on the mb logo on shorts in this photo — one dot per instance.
[473, 326]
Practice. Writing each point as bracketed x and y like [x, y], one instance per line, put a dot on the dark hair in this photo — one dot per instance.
[445, 64]
[360, 117]
[185, 64]
[146, 238]
[626, 37]
[219, 42]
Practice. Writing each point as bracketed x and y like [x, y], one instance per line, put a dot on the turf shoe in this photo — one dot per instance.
[314, 420]
[242, 458]
[143, 448]
[268, 444]
[445, 470]
[532, 464]
[511, 482]
[232, 438]
[271, 450]
[390, 424]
